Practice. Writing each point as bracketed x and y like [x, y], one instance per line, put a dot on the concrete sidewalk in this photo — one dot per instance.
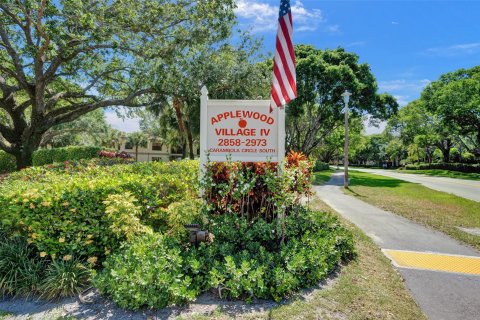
[441, 295]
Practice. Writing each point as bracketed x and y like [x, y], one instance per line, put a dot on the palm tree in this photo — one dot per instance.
[137, 139]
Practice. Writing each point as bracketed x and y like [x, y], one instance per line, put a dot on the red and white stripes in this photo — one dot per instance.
[284, 83]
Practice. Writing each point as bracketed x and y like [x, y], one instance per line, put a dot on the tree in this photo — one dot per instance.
[112, 138]
[455, 99]
[416, 129]
[322, 76]
[374, 148]
[137, 139]
[88, 129]
[395, 151]
[332, 146]
[228, 71]
[163, 127]
[416, 124]
[62, 59]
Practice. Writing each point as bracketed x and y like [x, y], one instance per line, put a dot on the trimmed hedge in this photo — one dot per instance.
[7, 162]
[65, 212]
[320, 166]
[460, 167]
[48, 156]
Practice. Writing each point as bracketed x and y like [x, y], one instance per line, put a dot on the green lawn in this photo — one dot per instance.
[321, 177]
[438, 210]
[366, 288]
[444, 173]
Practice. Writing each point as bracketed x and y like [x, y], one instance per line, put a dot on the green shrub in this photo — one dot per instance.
[48, 156]
[460, 167]
[149, 272]
[173, 219]
[131, 217]
[64, 278]
[7, 162]
[244, 261]
[244, 252]
[64, 212]
[320, 166]
[468, 157]
[123, 216]
[255, 189]
[454, 155]
[21, 268]
[437, 155]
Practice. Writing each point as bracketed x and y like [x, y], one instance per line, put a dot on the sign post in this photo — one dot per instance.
[240, 130]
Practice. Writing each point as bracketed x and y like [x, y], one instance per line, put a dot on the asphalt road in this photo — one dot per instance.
[441, 295]
[469, 189]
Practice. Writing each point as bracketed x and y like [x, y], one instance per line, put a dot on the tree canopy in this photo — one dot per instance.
[62, 59]
[455, 99]
[322, 77]
[229, 71]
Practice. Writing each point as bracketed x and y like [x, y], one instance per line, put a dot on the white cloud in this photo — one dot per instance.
[373, 128]
[334, 28]
[455, 50]
[402, 84]
[395, 23]
[425, 82]
[402, 100]
[355, 44]
[125, 125]
[263, 16]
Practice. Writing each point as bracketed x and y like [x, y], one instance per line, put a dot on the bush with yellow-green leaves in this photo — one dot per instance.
[91, 211]
[123, 227]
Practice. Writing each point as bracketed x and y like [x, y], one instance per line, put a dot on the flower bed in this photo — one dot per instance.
[125, 225]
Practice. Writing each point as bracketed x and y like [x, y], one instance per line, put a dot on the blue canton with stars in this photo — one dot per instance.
[284, 8]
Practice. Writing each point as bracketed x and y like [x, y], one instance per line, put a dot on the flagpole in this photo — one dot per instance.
[281, 134]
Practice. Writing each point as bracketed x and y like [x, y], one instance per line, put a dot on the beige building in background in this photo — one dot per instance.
[155, 151]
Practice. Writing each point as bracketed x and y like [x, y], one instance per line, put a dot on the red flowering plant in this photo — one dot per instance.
[300, 169]
[112, 154]
[256, 189]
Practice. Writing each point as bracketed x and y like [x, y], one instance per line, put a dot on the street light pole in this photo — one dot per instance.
[346, 98]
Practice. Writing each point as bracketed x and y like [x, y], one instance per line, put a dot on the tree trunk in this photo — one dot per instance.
[136, 153]
[24, 153]
[445, 146]
[446, 155]
[478, 137]
[189, 140]
[24, 158]
[184, 149]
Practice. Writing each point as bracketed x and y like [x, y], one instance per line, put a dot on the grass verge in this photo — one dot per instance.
[321, 177]
[444, 173]
[366, 288]
[438, 210]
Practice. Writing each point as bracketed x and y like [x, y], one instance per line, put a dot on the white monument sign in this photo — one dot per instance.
[241, 130]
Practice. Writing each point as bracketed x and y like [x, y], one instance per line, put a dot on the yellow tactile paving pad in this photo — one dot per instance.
[435, 261]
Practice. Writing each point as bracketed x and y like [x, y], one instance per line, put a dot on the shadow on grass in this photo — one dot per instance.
[356, 194]
[322, 177]
[377, 181]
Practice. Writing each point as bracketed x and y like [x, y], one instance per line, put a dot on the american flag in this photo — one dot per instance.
[284, 84]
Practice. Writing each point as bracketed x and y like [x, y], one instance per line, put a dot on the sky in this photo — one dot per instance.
[406, 43]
